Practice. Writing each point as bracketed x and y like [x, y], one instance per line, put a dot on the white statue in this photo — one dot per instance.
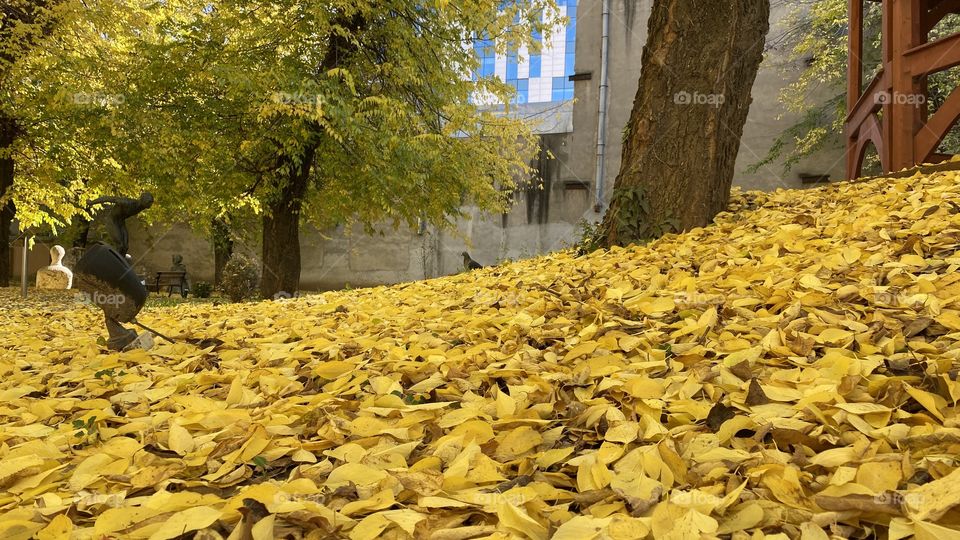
[55, 276]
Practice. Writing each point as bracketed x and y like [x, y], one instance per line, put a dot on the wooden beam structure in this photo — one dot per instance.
[891, 112]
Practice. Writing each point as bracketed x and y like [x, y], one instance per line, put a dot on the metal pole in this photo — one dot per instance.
[23, 266]
[602, 112]
[145, 327]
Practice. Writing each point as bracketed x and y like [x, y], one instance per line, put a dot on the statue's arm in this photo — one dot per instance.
[102, 201]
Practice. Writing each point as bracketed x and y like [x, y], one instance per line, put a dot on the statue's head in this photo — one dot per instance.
[56, 254]
[177, 259]
[146, 200]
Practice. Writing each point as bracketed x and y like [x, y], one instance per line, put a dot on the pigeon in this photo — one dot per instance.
[469, 263]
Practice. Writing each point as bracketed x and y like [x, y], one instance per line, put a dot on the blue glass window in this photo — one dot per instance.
[541, 65]
[523, 90]
[535, 63]
[482, 44]
[488, 67]
[512, 66]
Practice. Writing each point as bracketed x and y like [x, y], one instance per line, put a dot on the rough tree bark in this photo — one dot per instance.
[699, 65]
[8, 134]
[281, 224]
[222, 248]
[281, 233]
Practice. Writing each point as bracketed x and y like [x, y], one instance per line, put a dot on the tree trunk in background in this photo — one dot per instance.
[699, 66]
[281, 224]
[281, 234]
[8, 134]
[83, 233]
[14, 45]
[222, 248]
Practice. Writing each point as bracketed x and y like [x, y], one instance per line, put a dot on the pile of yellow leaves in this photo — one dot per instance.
[790, 371]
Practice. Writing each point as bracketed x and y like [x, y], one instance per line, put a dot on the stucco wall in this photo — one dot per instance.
[628, 34]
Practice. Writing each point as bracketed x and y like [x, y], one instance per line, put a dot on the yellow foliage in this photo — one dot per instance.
[790, 370]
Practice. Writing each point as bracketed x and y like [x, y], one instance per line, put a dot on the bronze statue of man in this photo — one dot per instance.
[119, 210]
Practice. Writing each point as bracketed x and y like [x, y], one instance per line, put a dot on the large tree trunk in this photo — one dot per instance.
[8, 134]
[699, 65]
[281, 234]
[222, 248]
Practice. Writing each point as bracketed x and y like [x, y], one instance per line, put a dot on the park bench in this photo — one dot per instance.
[170, 281]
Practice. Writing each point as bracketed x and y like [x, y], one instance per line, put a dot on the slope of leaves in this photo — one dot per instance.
[790, 371]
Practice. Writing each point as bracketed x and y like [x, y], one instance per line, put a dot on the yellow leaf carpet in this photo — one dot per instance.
[789, 372]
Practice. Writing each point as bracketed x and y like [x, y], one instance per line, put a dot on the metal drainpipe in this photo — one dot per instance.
[602, 116]
[23, 265]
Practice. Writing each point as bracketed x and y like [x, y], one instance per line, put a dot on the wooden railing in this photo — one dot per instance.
[891, 112]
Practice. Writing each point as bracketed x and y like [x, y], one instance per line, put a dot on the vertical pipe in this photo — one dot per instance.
[23, 266]
[602, 113]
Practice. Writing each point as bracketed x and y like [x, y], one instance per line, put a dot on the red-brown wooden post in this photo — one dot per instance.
[854, 76]
[855, 53]
[923, 88]
[902, 112]
[903, 133]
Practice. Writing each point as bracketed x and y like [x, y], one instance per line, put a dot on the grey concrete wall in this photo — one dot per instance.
[628, 34]
[541, 220]
[151, 249]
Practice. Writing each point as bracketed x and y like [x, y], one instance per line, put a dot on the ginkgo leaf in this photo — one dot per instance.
[731, 382]
[180, 440]
[185, 521]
